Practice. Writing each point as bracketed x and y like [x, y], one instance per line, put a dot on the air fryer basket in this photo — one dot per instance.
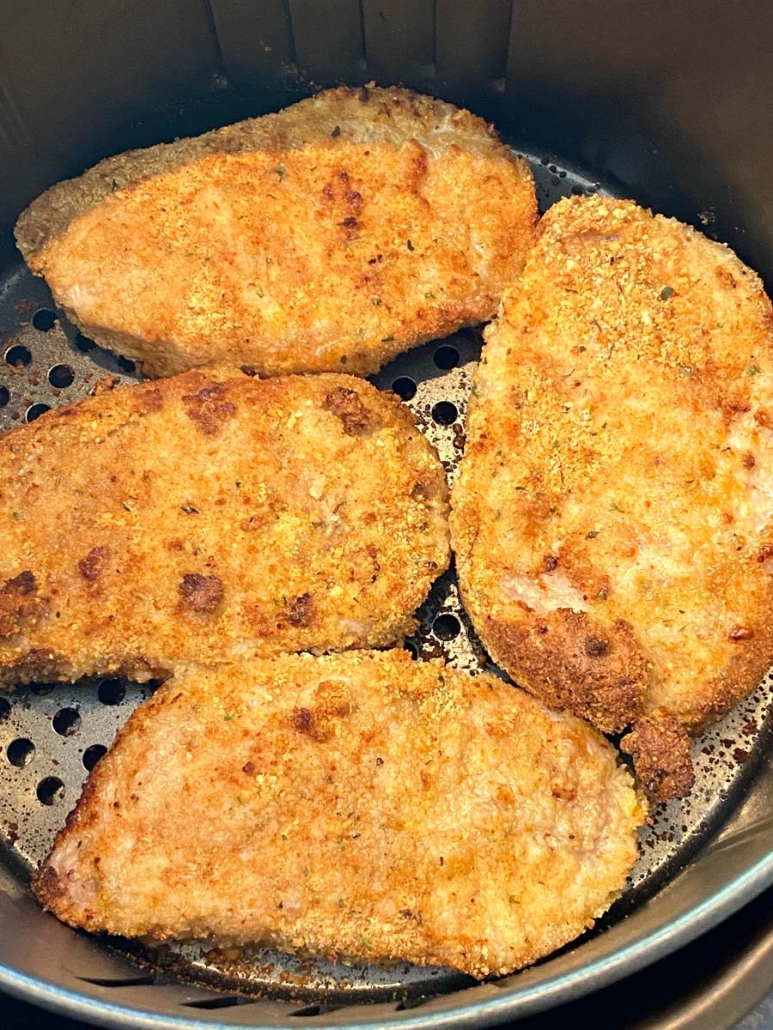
[663, 102]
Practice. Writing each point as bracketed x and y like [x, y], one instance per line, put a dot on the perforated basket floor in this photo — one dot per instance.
[51, 736]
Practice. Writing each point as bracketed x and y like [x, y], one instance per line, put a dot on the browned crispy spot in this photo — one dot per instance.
[254, 522]
[47, 885]
[18, 601]
[199, 593]
[302, 720]
[564, 659]
[301, 611]
[660, 748]
[347, 405]
[149, 400]
[331, 704]
[596, 647]
[735, 402]
[208, 409]
[564, 791]
[741, 633]
[23, 584]
[91, 566]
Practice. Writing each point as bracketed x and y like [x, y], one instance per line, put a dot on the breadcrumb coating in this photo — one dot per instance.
[612, 516]
[214, 516]
[358, 805]
[328, 237]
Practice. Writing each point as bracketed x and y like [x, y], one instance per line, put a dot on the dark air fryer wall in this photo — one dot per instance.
[670, 97]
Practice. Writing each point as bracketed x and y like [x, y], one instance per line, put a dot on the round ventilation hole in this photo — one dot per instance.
[446, 627]
[412, 649]
[44, 320]
[5, 396]
[111, 692]
[5, 708]
[61, 376]
[444, 413]
[446, 357]
[404, 387]
[50, 791]
[92, 755]
[41, 689]
[66, 722]
[83, 342]
[19, 356]
[35, 411]
[20, 752]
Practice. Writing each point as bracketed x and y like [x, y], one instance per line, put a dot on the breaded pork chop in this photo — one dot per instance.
[351, 805]
[612, 518]
[328, 237]
[212, 517]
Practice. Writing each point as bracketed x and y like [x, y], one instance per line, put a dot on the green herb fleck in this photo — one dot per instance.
[228, 717]
[146, 476]
[753, 370]
[365, 941]
[344, 359]
[666, 292]
[280, 171]
[409, 245]
[592, 535]
[387, 339]
[376, 302]
[259, 291]
[513, 900]
[602, 595]
[189, 510]
[17, 516]
[614, 506]
[284, 836]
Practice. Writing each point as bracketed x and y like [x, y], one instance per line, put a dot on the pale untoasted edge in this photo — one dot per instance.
[363, 832]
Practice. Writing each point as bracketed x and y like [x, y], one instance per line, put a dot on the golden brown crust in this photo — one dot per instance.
[660, 748]
[358, 805]
[597, 672]
[620, 442]
[327, 237]
[214, 516]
